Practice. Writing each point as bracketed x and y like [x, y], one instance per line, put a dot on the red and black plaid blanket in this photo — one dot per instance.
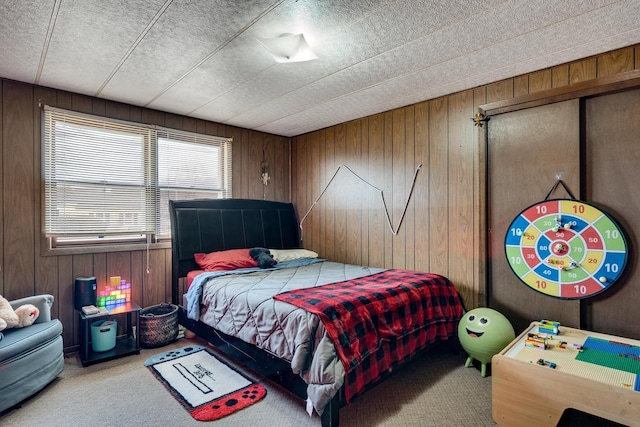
[379, 320]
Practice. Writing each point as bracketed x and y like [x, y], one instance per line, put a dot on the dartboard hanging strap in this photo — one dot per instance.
[556, 186]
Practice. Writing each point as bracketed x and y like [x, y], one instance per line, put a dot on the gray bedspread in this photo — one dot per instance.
[241, 305]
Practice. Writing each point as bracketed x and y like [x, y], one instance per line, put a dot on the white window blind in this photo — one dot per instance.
[112, 178]
[191, 166]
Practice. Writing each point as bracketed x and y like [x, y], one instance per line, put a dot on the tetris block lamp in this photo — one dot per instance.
[118, 293]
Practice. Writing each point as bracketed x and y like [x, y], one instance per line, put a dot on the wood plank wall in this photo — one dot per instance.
[24, 270]
[444, 230]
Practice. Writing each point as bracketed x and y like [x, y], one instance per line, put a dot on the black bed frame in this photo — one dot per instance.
[207, 225]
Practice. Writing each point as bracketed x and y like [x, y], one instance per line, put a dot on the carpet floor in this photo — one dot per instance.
[434, 390]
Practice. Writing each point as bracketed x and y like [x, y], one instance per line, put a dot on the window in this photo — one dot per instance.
[191, 166]
[111, 181]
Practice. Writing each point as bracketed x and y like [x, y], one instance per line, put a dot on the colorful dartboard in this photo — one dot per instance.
[566, 249]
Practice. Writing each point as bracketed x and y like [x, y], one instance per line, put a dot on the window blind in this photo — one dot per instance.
[106, 177]
[97, 175]
[191, 166]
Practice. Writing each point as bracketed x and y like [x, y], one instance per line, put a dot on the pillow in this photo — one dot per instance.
[225, 260]
[281, 255]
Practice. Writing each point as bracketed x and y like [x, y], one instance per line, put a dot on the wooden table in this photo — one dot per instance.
[600, 379]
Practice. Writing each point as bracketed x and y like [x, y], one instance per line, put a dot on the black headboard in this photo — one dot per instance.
[207, 225]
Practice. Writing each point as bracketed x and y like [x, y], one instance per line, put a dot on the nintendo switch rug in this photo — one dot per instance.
[207, 387]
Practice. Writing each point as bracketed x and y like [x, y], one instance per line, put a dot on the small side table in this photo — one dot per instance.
[125, 345]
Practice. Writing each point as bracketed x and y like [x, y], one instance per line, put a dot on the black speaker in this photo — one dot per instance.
[84, 292]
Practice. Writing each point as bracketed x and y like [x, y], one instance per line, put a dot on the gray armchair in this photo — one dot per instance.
[30, 357]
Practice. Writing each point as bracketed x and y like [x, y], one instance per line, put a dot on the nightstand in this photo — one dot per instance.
[125, 345]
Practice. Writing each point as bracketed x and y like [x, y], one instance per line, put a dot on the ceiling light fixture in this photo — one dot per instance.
[289, 48]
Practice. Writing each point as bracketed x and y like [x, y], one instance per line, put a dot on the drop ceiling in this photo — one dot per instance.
[201, 58]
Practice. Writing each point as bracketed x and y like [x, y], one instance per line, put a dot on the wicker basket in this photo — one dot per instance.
[158, 325]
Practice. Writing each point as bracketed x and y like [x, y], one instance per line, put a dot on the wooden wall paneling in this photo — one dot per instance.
[409, 223]
[152, 117]
[500, 90]
[167, 274]
[377, 227]
[342, 196]
[46, 268]
[438, 187]
[18, 190]
[329, 198]
[367, 191]
[216, 129]
[100, 270]
[421, 192]
[387, 186]
[521, 85]
[155, 290]
[190, 124]
[201, 127]
[227, 131]
[238, 182]
[303, 200]
[637, 57]
[461, 226]
[583, 70]
[612, 156]
[119, 264]
[321, 207]
[138, 273]
[66, 312]
[173, 121]
[117, 110]
[268, 147]
[480, 206]
[618, 61]
[559, 76]
[539, 81]
[98, 107]
[82, 266]
[135, 113]
[354, 204]
[281, 172]
[294, 175]
[299, 195]
[81, 103]
[397, 195]
[313, 174]
[523, 161]
[254, 172]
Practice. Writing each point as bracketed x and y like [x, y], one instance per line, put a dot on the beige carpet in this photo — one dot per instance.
[435, 390]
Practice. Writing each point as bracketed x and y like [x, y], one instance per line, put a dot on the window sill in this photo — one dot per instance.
[95, 249]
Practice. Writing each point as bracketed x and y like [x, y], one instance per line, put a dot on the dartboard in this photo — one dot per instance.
[566, 249]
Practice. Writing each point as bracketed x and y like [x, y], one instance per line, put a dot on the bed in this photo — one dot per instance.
[326, 331]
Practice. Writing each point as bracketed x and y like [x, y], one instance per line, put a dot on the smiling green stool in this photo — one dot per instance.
[483, 333]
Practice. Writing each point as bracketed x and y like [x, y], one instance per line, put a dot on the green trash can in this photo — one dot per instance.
[103, 335]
